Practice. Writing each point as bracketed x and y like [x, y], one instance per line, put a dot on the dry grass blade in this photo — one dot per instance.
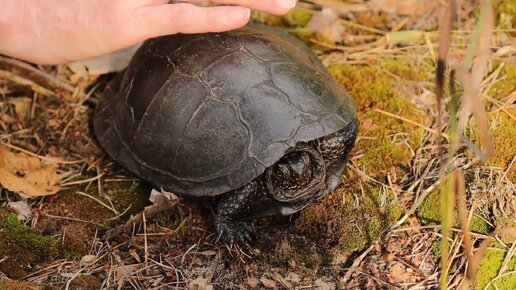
[28, 75]
[342, 7]
[25, 82]
[471, 80]
[42, 158]
[447, 209]
[448, 190]
[464, 223]
[412, 122]
[442, 52]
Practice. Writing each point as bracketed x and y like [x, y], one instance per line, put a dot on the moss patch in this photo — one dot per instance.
[489, 267]
[298, 16]
[507, 14]
[24, 247]
[349, 219]
[133, 195]
[503, 140]
[377, 87]
[505, 84]
[430, 213]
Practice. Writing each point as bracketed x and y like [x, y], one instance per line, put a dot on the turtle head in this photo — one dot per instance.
[298, 176]
[293, 171]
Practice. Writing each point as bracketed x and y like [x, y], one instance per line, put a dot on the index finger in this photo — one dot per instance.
[276, 7]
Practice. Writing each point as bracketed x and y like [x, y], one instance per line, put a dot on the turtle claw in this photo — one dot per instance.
[233, 232]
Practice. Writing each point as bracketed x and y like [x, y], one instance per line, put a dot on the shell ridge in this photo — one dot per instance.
[159, 95]
[271, 80]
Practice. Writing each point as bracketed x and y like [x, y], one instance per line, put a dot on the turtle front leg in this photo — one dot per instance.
[232, 212]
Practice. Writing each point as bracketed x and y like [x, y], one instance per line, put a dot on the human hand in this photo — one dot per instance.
[61, 31]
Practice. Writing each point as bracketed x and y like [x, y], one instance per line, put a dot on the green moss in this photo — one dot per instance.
[503, 141]
[505, 83]
[129, 194]
[25, 236]
[430, 213]
[22, 246]
[490, 266]
[384, 154]
[436, 248]
[478, 225]
[349, 221]
[378, 87]
[298, 16]
[430, 210]
[507, 14]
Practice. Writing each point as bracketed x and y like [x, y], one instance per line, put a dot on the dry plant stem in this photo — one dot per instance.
[471, 80]
[32, 77]
[146, 249]
[98, 201]
[498, 277]
[442, 55]
[508, 257]
[210, 273]
[342, 7]
[162, 204]
[412, 122]
[82, 181]
[356, 263]
[25, 82]
[464, 223]
[44, 158]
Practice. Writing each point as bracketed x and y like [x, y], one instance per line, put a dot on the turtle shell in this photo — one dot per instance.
[204, 114]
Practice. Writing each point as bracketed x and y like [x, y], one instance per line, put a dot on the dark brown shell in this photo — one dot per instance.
[204, 114]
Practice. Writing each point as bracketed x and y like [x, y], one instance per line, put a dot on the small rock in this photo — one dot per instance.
[268, 283]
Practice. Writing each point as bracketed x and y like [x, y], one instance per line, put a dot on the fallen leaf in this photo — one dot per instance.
[26, 175]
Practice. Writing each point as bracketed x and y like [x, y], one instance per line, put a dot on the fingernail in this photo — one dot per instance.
[288, 4]
[242, 12]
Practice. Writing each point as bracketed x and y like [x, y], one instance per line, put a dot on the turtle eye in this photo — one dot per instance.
[282, 171]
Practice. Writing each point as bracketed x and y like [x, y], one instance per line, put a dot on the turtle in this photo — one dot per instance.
[250, 119]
